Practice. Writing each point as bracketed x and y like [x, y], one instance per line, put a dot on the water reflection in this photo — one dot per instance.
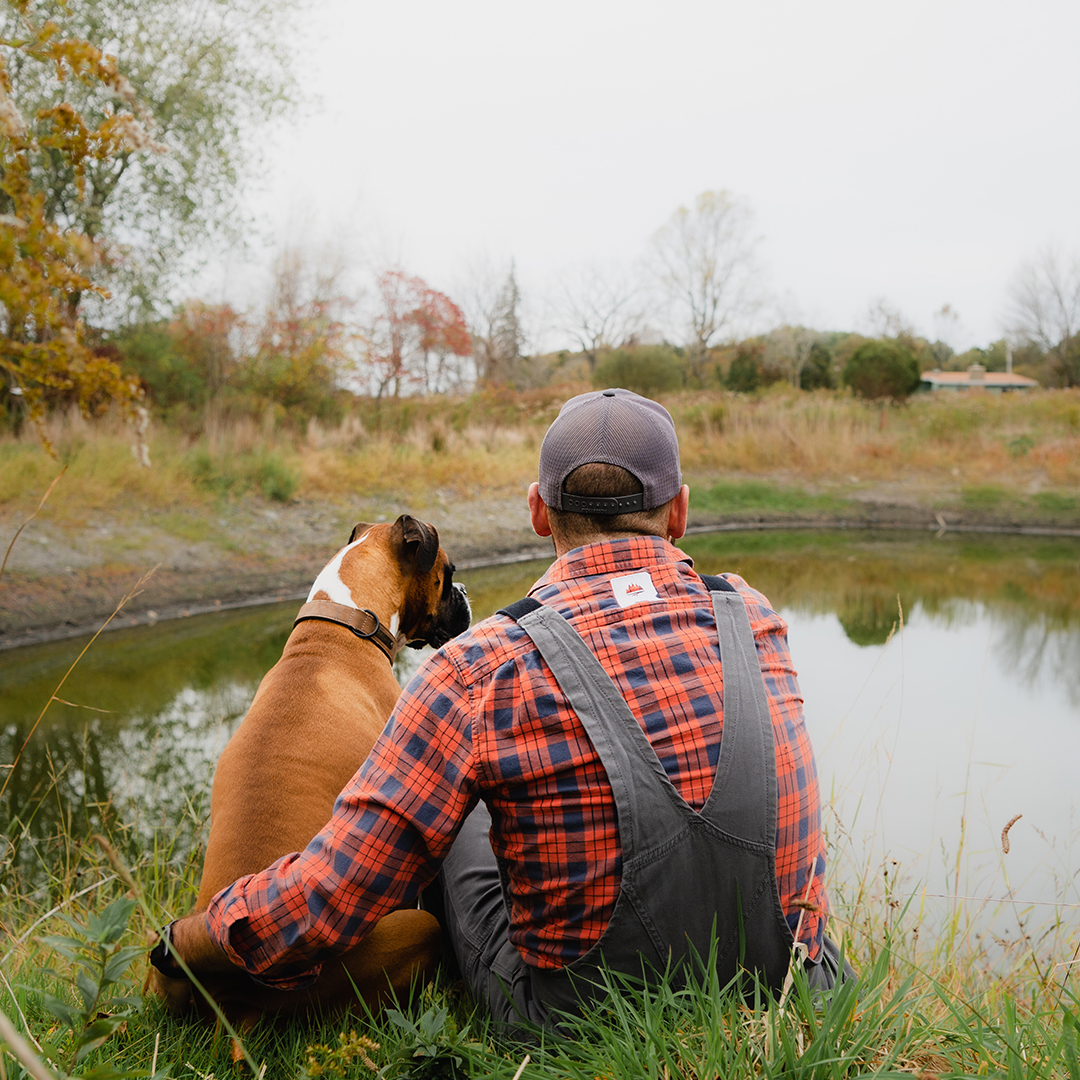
[986, 671]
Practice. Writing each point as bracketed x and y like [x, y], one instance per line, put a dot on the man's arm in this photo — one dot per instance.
[391, 827]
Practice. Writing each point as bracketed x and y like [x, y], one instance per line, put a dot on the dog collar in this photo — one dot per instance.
[363, 622]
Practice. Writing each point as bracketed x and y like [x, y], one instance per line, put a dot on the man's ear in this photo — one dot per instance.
[420, 540]
[538, 512]
[679, 508]
[358, 530]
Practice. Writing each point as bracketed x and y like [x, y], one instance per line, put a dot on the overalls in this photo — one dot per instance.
[691, 880]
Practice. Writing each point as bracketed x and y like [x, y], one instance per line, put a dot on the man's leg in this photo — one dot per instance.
[477, 924]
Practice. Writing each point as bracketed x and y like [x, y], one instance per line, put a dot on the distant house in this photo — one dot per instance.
[976, 378]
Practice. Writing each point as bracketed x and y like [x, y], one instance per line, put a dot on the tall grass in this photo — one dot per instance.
[985, 449]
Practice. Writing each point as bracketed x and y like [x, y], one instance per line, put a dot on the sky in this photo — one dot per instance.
[915, 153]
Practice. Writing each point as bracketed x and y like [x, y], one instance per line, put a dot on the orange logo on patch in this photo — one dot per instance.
[635, 588]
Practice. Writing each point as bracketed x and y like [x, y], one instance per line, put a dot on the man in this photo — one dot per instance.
[613, 770]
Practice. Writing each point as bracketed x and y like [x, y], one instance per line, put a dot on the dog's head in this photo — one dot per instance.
[435, 608]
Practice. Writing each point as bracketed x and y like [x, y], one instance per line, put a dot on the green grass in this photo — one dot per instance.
[942, 1008]
[742, 497]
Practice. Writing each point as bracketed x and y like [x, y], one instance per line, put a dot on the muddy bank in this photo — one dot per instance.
[65, 578]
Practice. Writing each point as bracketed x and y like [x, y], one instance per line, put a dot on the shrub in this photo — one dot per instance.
[882, 369]
[745, 374]
[645, 369]
[819, 372]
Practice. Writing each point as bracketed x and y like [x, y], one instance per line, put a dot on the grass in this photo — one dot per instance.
[780, 451]
[925, 1009]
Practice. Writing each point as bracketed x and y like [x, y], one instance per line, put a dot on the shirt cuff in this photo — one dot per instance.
[228, 923]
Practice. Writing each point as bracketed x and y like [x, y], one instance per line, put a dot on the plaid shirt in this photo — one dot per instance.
[485, 719]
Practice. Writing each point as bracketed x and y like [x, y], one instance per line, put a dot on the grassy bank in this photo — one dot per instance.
[955, 1005]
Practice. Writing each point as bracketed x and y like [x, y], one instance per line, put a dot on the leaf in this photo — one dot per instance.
[63, 1012]
[89, 990]
[119, 962]
[109, 926]
[67, 947]
[96, 1034]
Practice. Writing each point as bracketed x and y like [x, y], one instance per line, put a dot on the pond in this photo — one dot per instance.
[941, 679]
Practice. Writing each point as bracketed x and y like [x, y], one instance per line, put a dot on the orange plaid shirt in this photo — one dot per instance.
[485, 719]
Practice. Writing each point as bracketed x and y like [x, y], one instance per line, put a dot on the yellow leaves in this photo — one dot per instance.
[43, 266]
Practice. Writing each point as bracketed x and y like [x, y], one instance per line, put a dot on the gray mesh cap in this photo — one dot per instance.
[617, 427]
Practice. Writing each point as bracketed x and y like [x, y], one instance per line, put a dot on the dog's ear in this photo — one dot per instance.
[421, 540]
[358, 530]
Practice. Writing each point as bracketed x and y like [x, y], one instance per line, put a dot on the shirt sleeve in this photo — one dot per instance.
[392, 825]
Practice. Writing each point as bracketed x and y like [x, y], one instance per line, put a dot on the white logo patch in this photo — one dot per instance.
[634, 589]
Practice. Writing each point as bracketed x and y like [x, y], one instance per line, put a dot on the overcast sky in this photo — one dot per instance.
[913, 151]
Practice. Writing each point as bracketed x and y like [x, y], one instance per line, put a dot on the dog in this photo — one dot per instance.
[313, 721]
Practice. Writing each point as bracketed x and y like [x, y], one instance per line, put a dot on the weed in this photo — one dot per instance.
[106, 998]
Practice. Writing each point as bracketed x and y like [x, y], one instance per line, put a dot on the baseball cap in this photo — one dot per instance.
[617, 427]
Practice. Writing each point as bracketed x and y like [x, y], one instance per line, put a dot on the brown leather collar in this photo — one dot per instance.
[362, 622]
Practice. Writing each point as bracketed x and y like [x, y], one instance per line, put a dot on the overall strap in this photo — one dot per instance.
[747, 766]
[647, 802]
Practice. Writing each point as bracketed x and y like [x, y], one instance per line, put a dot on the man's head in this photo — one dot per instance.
[609, 466]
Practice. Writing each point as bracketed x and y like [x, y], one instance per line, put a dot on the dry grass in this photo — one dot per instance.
[975, 443]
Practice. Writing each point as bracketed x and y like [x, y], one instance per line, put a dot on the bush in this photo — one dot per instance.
[882, 369]
[745, 373]
[819, 372]
[645, 369]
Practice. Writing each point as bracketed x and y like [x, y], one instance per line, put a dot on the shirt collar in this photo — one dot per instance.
[613, 556]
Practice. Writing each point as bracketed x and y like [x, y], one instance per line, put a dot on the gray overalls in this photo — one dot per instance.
[689, 878]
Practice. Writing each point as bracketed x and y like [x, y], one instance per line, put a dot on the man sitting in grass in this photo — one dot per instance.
[613, 771]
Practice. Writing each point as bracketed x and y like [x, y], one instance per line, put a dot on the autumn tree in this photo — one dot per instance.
[207, 73]
[705, 262]
[305, 346]
[46, 263]
[1045, 296]
[413, 322]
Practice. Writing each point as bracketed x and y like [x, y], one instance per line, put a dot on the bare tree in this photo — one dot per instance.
[1045, 309]
[884, 320]
[491, 301]
[601, 309]
[787, 348]
[706, 265]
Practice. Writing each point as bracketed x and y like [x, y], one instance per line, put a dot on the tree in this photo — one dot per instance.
[1045, 296]
[787, 348]
[705, 260]
[882, 369]
[492, 305]
[207, 73]
[645, 369]
[601, 309]
[304, 347]
[413, 321]
[819, 371]
[46, 264]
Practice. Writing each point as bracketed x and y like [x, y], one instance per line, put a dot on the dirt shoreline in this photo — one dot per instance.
[65, 581]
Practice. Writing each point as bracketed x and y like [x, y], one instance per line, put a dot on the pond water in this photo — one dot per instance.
[941, 679]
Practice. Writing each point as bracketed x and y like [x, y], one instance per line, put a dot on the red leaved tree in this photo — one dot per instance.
[414, 335]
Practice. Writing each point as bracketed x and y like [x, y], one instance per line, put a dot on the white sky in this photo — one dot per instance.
[913, 151]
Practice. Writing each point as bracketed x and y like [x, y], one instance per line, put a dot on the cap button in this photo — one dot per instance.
[609, 393]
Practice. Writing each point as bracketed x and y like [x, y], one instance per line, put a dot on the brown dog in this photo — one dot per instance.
[312, 723]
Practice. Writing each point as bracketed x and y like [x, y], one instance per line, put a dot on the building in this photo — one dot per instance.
[976, 378]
